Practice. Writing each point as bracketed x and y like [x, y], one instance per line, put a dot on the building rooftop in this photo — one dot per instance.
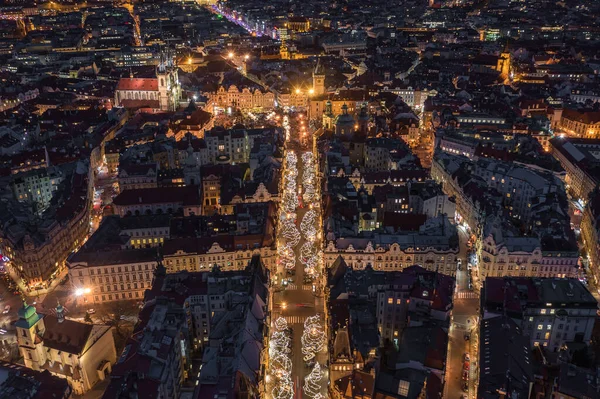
[19, 382]
[504, 360]
[517, 293]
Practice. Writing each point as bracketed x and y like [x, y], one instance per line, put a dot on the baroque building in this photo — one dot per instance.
[81, 353]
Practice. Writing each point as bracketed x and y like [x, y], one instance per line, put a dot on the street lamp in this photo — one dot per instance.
[311, 91]
[230, 55]
[82, 291]
[246, 57]
[297, 91]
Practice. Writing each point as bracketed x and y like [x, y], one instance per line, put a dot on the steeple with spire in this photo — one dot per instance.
[168, 82]
[319, 79]
[60, 312]
[191, 169]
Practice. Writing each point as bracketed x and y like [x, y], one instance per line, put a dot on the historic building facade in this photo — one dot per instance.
[161, 93]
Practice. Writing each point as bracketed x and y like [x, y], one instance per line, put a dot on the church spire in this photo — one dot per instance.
[60, 312]
[162, 67]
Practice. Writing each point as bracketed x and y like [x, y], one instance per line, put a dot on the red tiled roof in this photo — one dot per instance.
[69, 336]
[143, 84]
[587, 117]
[140, 104]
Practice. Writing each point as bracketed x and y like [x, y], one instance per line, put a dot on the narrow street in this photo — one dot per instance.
[464, 323]
[298, 292]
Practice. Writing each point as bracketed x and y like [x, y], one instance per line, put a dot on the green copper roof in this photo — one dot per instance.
[28, 316]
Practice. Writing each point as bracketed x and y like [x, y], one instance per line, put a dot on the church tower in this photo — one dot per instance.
[363, 119]
[284, 52]
[169, 89]
[191, 170]
[328, 117]
[30, 326]
[504, 63]
[344, 124]
[319, 79]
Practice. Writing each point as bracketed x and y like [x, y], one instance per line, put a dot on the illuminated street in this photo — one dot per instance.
[298, 295]
[464, 323]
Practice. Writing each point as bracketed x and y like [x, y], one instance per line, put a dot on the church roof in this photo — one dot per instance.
[68, 336]
[144, 84]
[136, 104]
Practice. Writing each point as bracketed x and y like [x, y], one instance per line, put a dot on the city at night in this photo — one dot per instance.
[319, 199]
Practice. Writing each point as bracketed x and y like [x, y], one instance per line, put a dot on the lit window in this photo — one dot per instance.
[390, 300]
[543, 311]
[540, 326]
[398, 301]
[403, 388]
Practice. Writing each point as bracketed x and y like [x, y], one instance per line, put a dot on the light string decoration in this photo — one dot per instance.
[312, 382]
[280, 367]
[290, 233]
[286, 256]
[308, 177]
[313, 337]
[307, 225]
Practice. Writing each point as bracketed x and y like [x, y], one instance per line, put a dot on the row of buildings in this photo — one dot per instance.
[117, 261]
[517, 216]
[220, 314]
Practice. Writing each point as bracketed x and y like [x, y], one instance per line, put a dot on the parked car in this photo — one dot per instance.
[90, 311]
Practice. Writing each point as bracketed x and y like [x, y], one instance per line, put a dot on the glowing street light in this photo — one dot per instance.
[297, 91]
[311, 91]
[246, 57]
[82, 291]
[230, 55]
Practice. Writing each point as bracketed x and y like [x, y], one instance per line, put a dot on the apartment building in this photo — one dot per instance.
[578, 123]
[132, 176]
[118, 261]
[551, 311]
[245, 98]
[590, 233]
[38, 245]
[496, 201]
[158, 200]
[36, 186]
[218, 313]
[581, 160]
[434, 246]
